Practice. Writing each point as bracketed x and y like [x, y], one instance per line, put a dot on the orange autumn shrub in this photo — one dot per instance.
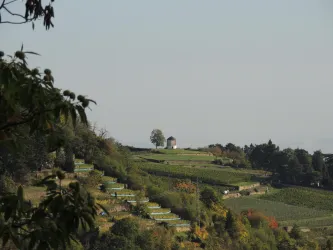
[200, 233]
[185, 187]
[272, 223]
[256, 217]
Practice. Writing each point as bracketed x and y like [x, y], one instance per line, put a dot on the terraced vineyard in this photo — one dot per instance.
[305, 197]
[108, 179]
[122, 193]
[281, 211]
[153, 205]
[178, 223]
[80, 166]
[117, 190]
[165, 217]
[311, 222]
[153, 211]
[209, 176]
[114, 186]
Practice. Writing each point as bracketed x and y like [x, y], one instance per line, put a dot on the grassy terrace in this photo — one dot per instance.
[122, 191]
[178, 222]
[84, 166]
[106, 179]
[165, 216]
[160, 210]
[110, 203]
[113, 185]
[206, 175]
[78, 161]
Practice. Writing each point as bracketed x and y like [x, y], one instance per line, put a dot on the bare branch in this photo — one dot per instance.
[103, 133]
[9, 22]
[13, 14]
[3, 4]
[9, 2]
[24, 121]
[33, 11]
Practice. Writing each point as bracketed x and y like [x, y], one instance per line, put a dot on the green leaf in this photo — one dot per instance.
[5, 239]
[82, 114]
[14, 239]
[32, 242]
[20, 194]
[83, 225]
[43, 245]
[88, 219]
[50, 184]
[74, 239]
[92, 101]
[38, 216]
[8, 213]
[74, 116]
[30, 52]
[65, 111]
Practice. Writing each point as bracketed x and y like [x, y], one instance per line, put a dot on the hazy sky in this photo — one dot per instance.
[203, 71]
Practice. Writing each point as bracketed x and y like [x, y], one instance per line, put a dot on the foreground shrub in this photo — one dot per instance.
[93, 179]
[7, 184]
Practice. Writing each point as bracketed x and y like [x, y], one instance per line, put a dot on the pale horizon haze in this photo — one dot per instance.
[202, 71]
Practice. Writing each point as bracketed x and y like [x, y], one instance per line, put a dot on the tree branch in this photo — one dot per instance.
[9, 22]
[13, 14]
[14, 124]
[9, 2]
[3, 4]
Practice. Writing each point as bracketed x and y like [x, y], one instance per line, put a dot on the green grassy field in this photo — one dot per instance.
[34, 193]
[301, 196]
[179, 157]
[209, 176]
[182, 155]
[281, 211]
[179, 151]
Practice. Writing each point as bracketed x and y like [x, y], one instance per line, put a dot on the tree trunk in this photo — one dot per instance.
[69, 162]
[59, 161]
[60, 186]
